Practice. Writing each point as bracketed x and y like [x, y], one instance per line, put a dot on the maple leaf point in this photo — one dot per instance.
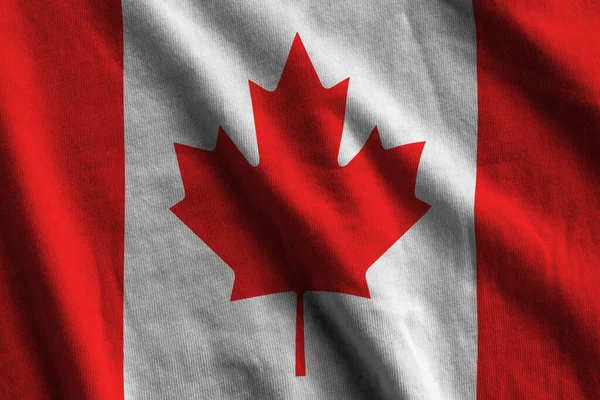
[298, 221]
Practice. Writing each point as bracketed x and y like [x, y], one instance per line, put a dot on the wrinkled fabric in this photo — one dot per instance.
[62, 181]
[412, 74]
[493, 293]
[537, 208]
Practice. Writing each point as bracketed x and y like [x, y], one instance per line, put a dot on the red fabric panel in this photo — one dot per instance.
[537, 203]
[61, 200]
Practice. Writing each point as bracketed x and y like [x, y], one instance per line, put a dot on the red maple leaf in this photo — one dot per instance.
[299, 221]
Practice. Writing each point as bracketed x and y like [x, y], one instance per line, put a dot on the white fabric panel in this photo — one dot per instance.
[412, 73]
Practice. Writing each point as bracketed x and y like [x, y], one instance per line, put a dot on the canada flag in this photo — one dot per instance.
[299, 200]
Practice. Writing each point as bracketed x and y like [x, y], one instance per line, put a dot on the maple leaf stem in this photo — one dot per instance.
[300, 359]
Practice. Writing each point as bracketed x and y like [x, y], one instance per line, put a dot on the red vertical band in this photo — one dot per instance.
[537, 202]
[61, 200]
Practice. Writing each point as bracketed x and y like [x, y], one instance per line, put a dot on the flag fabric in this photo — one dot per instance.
[303, 200]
